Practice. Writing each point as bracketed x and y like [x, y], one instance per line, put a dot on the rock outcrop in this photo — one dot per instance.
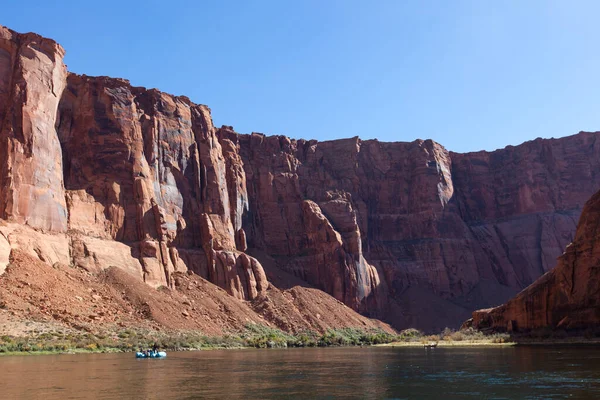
[410, 232]
[32, 79]
[98, 173]
[127, 176]
[567, 296]
[146, 168]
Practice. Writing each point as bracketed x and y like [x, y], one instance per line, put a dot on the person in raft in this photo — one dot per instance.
[155, 348]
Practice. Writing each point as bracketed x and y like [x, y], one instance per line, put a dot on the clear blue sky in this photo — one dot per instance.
[469, 74]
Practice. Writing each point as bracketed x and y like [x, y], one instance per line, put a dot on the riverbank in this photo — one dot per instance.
[129, 340]
[571, 341]
[510, 341]
[68, 341]
[448, 344]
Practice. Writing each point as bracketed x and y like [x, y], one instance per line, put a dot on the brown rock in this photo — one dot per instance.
[335, 262]
[94, 255]
[4, 253]
[240, 275]
[48, 247]
[567, 296]
[172, 192]
[409, 232]
[444, 232]
[32, 79]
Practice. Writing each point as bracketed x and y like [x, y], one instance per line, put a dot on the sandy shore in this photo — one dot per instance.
[574, 341]
[448, 344]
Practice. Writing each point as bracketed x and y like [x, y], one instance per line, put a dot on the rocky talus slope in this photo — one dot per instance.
[567, 296]
[113, 299]
[96, 173]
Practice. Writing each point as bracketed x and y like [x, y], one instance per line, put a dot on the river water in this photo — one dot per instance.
[325, 373]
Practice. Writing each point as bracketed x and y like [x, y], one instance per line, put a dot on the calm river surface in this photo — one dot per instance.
[362, 373]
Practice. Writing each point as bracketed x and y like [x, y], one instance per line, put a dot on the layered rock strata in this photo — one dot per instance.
[566, 297]
[116, 175]
[410, 232]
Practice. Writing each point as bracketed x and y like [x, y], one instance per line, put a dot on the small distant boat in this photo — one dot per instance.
[152, 354]
[430, 345]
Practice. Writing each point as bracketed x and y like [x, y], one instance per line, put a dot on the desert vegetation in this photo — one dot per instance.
[450, 337]
[263, 336]
[253, 336]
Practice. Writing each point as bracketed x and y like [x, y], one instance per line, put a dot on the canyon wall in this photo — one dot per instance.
[99, 173]
[410, 232]
[566, 297]
[114, 175]
[32, 79]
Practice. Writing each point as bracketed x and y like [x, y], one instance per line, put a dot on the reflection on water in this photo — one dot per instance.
[363, 373]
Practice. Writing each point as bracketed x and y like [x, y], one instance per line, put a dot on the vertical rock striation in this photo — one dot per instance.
[410, 232]
[139, 179]
[145, 168]
[32, 79]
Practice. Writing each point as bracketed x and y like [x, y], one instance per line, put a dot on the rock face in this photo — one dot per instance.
[566, 297]
[410, 232]
[105, 162]
[146, 168]
[116, 175]
[32, 79]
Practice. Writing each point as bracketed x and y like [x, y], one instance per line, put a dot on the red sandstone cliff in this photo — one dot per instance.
[32, 78]
[146, 169]
[116, 175]
[410, 232]
[568, 296]
[98, 173]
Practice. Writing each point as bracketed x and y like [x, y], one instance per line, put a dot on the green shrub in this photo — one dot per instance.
[409, 335]
[306, 339]
[261, 336]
